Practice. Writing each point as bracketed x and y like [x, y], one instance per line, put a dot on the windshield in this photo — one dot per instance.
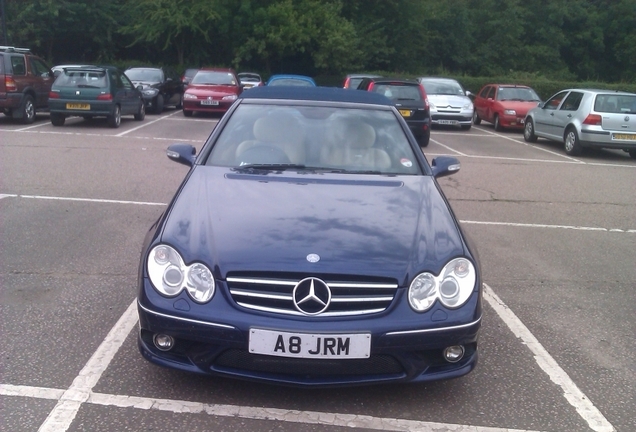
[615, 103]
[314, 139]
[81, 78]
[148, 75]
[517, 94]
[214, 78]
[443, 87]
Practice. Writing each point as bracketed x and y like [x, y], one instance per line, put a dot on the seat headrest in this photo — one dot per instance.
[278, 128]
[352, 133]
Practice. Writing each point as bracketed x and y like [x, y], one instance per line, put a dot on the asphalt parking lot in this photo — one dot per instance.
[556, 237]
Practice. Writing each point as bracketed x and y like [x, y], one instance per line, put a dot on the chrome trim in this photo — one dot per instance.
[361, 285]
[360, 299]
[434, 330]
[260, 295]
[295, 313]
[291, 283]
[261, 281]
[185, 319]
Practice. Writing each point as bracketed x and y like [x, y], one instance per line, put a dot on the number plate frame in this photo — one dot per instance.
[310, 345]
[78, 106]
[448, 122]
[624, 136]
[209, 102]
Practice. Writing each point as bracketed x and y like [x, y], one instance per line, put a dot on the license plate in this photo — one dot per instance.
[78, 106]
[305, 345]
[626, 137]
[405, 113]
[209, 102]
[448, 122]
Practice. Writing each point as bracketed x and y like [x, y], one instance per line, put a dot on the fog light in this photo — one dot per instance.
[163, 342]
[454, 353]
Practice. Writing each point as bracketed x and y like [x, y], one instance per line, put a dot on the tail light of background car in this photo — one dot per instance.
[54, 95]
[424, 97]
[593, 119]
[10, 84]
[105, 97]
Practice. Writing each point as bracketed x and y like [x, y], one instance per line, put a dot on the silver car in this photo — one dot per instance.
[450, 104]
[581, 118]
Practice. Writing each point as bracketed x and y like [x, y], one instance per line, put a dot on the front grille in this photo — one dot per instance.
[450, 117]
[349, 296]
[308, 368]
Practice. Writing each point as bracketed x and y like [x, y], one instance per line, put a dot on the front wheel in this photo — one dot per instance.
[466, 127]
[114, 120]
[498, 127]
[476, 118]
[57, 119]
[159, 104]
[572, 143]
[141, 113]
[528, 131]
[188, 113]
[180, 103]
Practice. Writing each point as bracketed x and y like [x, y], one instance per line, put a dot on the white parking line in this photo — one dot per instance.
[571, 392]
[144, 124]
[31, 127]
[568, 227]
[90, 200]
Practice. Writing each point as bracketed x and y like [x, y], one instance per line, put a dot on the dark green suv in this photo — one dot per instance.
[25, 82]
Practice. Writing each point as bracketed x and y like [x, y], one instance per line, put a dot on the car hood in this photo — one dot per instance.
[212, 90]
[521, 107]
[358, 225]
[443, 101]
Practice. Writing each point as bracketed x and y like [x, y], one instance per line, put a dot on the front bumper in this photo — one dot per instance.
[512, 121]
[454, 118]
[196, 105]
[405, 346]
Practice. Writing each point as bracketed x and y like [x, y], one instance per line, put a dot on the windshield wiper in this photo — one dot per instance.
[283, 167]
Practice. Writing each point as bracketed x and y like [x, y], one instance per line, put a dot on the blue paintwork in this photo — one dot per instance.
[305, 78]
[360, 224]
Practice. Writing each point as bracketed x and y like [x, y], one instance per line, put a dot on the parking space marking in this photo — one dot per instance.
[571, 392]
[530, 145]
[70, 402]
[570, 227]
[447, 147]
[144, 124]
[7, 196]
[31, 127]
[90, 200]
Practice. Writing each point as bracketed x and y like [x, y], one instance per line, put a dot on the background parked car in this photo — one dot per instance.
[250, 79]
[409, 98]
[160, 87]
[504, 105]
[211, 90]
[449, 102]
[94, 92]
[352, 81]
[188, 75]
[57, 69]
[291, 80]
[25, 83]
[583, 118]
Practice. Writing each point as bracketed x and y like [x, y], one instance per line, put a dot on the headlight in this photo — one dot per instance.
[510, 112]
[452, 287]
[169, 275]
[189, 96]
[432, 106]
[229, 97]
[150, 92]
[468, 106]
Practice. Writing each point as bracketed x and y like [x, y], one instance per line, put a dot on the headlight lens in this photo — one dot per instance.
[510, 112]
[468, 106]
[189, 96]
[229, 97]
[150, 92]
[169, 275]
[452, 287]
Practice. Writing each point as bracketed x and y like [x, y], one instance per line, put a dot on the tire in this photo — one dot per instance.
[466, 127]
[180, 103]
[158, 108]
[572, 144]
[114, 120]
[498, 127]
[528, 131]
[188, 113]
[424, 139]
[28, 110]
[632, 154]
[141, 114]
[476, 118]
[57, 119]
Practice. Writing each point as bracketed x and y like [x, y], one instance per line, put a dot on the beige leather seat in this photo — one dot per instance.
[281, 130]
[350, 145]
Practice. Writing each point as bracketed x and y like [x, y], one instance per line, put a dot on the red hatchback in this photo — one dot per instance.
[211, 90]
[504, 105]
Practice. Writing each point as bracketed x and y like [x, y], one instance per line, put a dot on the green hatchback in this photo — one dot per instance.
[92, 91]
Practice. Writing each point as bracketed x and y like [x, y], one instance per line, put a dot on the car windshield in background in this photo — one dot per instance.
[314, 138]
[290, 82]
[214, 78]
[517, 94]
[399, 92]
[149, 75]
[613, 103]
[442, 87]
[81, 78]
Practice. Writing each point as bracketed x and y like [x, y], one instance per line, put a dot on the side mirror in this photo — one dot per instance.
[541, 104]
[182, 153]
[444, 165]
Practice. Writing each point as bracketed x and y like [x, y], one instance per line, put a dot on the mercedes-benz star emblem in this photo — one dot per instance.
[311, 296]
[313, 258]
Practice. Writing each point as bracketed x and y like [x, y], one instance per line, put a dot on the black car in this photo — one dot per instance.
[160, 87]
[410, 99]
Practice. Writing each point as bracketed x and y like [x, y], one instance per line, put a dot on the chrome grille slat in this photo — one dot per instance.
[349, 296]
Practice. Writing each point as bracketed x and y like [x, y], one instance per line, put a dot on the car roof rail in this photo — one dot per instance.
[14, 49]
